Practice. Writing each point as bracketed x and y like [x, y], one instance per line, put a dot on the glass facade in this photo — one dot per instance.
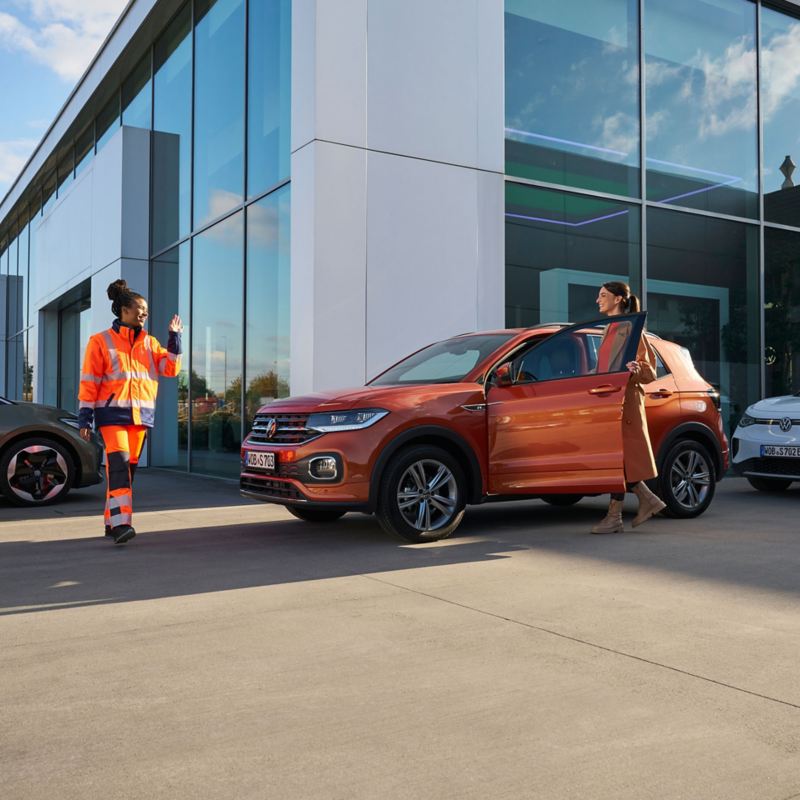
[711, 75]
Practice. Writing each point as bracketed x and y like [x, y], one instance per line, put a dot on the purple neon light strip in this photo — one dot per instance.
[564, 222]
[566, 141]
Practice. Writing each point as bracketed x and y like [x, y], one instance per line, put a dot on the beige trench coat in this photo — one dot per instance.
[637, 451]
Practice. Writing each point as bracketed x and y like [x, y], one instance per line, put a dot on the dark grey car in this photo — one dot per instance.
[42, 455]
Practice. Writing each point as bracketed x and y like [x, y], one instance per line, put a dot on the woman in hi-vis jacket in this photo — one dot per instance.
[119, 384]
[615, 298]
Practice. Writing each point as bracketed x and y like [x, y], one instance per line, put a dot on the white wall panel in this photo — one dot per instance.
[422, 274]
[491, 251]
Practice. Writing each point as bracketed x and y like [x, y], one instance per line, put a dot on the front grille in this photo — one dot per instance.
[790, 467]
[291, 429]
[268, 487]
[776, 421]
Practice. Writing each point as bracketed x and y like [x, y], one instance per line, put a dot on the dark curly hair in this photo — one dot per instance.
[121, 296]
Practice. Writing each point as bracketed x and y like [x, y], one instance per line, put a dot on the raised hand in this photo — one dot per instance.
[176, 325]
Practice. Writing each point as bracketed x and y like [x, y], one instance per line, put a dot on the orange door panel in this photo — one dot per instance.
[561, 435]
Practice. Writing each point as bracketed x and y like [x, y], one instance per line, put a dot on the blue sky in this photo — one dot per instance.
[45, 46]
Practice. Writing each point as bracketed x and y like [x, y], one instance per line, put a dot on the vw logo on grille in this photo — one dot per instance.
[786, 424]
[270, 427]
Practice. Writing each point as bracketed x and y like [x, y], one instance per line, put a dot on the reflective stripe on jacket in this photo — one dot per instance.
[119, 379]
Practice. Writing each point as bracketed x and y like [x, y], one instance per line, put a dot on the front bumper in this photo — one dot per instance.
[747, 458]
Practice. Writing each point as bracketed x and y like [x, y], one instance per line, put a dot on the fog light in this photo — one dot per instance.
[323, 468]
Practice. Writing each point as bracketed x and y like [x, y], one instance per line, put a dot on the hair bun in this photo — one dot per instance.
[116, 288]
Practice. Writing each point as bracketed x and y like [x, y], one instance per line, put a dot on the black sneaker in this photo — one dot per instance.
[109, 530]
[123, 533]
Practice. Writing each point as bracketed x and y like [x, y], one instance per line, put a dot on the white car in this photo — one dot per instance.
[766, 443]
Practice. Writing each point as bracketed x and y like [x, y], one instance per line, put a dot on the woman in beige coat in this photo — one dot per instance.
[615, 298]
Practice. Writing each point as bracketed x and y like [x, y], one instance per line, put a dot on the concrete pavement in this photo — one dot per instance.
[231, 651]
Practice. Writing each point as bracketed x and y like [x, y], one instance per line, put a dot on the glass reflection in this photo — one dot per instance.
[700, 80]
[572, 93]
[216, 377]
[107, 122]
[782, 311]
[267, 365]
[702, 292]
[84, 149]
[172, 133]
[269, 79]
[170, 295]
[560, 248]
[136, 96]
[219, 108]
[780, 109]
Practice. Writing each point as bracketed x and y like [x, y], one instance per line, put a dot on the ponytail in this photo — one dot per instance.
[630, 302]
[121, 296]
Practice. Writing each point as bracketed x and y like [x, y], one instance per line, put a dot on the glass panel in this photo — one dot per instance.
[560, 248]
[170, 295]
[700, 78]
[216, 381]
[23, 273]
[84, 149]
[219, 108]
[703, 293]
[780, 109]
[782, 311]
[107, 122]
[136, 100]
[65, 172]
[74, 332]
[269, 101]
[172, 140]
[49, 193]
[267, 365]
[572, 93]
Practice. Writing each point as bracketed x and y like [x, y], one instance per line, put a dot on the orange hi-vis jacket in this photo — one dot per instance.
[119, 380]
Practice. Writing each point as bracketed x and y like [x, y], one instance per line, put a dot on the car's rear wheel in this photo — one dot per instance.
[687, 480]
[770, 484]
[36, 472]
[422, 494]
[315, 514]
[562, 500]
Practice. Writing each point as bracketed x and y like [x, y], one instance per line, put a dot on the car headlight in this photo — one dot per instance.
[746, 420]
[71, 421]
[345, 420]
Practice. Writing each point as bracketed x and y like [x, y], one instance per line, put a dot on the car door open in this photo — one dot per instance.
[555, 425]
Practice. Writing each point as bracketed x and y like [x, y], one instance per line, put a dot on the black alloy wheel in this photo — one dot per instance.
[422, 494]
[36, 472]
[686, 481]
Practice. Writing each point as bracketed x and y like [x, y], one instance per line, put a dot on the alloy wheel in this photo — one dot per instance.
[690, 479]
[427, 495]
[37, 473]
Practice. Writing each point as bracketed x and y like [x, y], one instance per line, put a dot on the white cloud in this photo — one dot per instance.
[13, 155]
[64, 35]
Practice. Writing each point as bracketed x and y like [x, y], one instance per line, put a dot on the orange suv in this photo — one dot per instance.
[499, 415]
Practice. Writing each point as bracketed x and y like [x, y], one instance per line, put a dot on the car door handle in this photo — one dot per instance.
[606, 388]
[661, 394]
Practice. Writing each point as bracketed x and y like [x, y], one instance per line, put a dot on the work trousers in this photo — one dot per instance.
[123, 447]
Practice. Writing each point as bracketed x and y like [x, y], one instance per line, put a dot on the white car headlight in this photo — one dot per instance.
[345, 420]
[746, 420]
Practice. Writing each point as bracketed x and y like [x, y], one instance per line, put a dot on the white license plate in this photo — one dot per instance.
[260, 460]
[780, 451]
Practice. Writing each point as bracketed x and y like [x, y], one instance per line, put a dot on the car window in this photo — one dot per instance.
[444, 362]
[661, 368]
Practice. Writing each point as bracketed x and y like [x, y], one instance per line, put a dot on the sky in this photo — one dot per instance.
[45, 46]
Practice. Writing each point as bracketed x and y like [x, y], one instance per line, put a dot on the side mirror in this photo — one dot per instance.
[502, 375]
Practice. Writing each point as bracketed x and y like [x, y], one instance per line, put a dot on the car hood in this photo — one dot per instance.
[388, 397]
[784, 406]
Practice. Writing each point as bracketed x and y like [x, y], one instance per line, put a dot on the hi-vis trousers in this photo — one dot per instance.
[123, 447]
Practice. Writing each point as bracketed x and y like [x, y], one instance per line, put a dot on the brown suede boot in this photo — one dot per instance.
[613, 520]
[649, 504]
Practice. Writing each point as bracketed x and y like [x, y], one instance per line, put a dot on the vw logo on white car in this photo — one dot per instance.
[785, 424]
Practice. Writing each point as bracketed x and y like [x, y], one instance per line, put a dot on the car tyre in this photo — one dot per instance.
[315, 514]
[770, 484]
[687, 481]
[422, 494]
[36, 472]
[562, 500]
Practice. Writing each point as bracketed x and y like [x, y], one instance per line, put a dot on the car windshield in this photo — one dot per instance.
[443, 362]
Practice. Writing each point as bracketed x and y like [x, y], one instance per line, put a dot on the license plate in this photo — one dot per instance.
[780, 451]
[260, 460]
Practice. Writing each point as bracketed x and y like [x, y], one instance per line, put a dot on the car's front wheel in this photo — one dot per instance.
[422, 494]
[770, 484]
[315, 514]
[687, 480]
[36, 472]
